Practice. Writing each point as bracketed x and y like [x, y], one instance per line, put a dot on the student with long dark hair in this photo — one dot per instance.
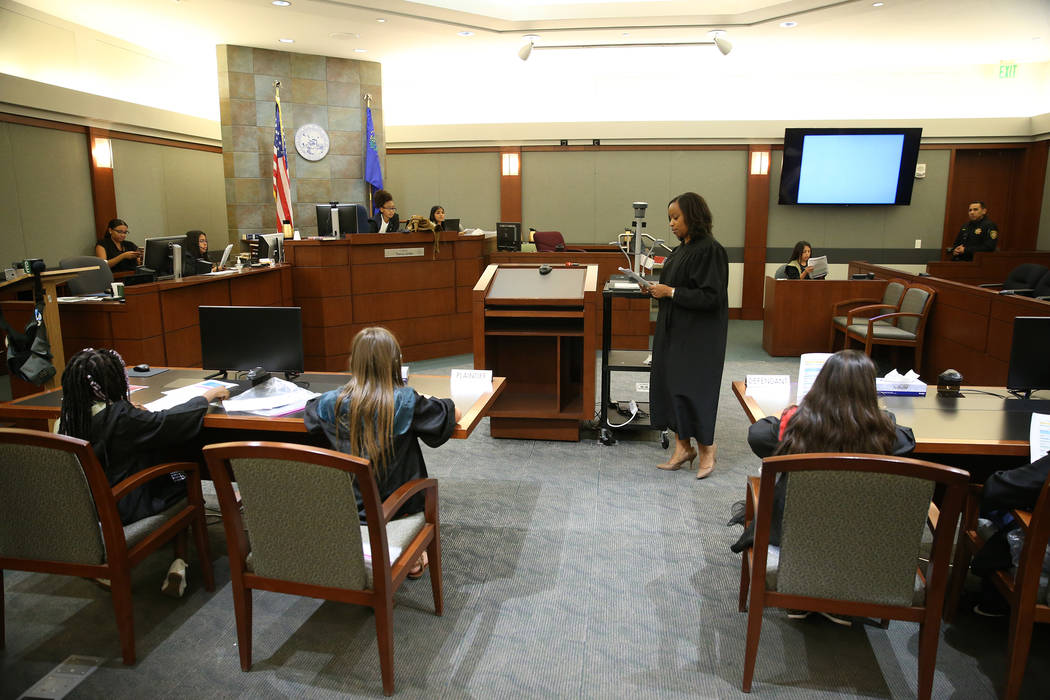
[128, 438]
[376, 417]
[840, 413]
[437, 216]
[114, 247]
[689, 346]
[798, 264]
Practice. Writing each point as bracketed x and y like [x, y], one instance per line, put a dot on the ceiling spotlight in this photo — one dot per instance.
[281, 3]
[465, 33]
[380, 20]
[723, 44]
[788, 24]
[877, 4]
[286, 41]
[360, 50]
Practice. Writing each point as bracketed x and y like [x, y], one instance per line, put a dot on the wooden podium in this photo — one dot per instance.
[538, 331]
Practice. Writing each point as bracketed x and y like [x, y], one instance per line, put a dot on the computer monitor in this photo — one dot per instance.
[246, 337]
[271, 245]
[452, 225]
[158, 253]
[1029, 370]
[508, 236]
[351, 218]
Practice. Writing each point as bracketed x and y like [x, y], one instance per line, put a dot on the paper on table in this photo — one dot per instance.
[184, 394]
[771, 389]
[809, 366]
[467, 385]
[271, 394]
[1039, 436]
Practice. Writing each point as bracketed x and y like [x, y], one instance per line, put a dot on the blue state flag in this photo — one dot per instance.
[373, 170]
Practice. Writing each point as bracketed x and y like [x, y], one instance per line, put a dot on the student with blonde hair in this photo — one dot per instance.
[377, 417]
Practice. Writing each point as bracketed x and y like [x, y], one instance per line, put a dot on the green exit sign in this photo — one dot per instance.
[1007, 69]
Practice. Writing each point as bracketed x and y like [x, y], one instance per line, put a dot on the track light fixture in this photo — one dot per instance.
[718, 40]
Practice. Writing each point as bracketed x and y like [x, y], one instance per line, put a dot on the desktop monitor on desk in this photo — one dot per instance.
[508, 236]
[246, 337]
[266, 245]
[1029, 369]
[158, 253]
[349, 218]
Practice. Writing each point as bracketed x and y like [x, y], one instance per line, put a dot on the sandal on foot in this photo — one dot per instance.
[421, 565]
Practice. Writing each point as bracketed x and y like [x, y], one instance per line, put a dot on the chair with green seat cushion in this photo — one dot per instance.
[909, 329]
[859, 310]
[851, 543]
[304, 536]
[59, 516]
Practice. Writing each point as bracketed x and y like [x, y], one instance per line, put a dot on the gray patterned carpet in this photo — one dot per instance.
[572, 570]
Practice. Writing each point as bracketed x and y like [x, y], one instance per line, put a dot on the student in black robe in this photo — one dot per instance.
[127, 438]
[114, 247]
[689, 346]
[376, 417]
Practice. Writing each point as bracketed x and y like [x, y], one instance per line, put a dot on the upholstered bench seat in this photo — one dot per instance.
[886, 332]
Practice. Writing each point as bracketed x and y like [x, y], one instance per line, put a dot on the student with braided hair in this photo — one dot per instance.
[128, 438]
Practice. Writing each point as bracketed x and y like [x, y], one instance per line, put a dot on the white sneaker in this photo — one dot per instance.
[175, 582]
[844, 621]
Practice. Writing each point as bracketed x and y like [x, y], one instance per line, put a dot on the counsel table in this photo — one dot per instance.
[977, 424]
[32, 411]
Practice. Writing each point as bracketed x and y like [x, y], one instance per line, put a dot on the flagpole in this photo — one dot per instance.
[281, 165]
[368, 185]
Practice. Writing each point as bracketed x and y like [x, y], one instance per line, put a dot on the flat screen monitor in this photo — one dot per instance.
[352, 218]
[849, 166]
[271, 245]
[1029, 369]
[246, 337]
[508, 235]
[158, 253]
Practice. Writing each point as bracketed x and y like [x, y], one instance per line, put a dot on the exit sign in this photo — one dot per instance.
[1007, 69]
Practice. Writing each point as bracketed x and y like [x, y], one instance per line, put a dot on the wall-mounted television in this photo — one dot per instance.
[849, 166]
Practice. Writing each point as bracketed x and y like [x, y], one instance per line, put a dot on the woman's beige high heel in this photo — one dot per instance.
[674, 465]
[706, 467]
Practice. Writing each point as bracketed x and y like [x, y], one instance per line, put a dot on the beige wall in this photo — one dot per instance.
[164, 191]
[45, 195]
[1044, 217]
[465, 184]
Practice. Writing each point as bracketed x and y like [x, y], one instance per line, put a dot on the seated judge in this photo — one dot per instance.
[387, 221]
[437, 217]
[798, 265]
[115, 248]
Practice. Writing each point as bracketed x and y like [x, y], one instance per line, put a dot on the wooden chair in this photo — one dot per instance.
[849, 311]
[305, 538]
[910, 326]
[60, 517]
[1028, 604]
[852, 528]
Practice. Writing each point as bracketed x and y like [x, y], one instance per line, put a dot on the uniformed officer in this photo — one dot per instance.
[978, 235]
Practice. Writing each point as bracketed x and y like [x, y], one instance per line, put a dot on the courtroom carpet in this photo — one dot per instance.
[572, 570]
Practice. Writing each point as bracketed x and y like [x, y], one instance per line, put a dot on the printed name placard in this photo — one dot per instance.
[402, 252]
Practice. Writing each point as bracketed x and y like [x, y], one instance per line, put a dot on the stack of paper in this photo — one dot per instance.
[809, 366]
[274, 397]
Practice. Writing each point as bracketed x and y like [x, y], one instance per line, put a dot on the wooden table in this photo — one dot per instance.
[35, 410]
[978, 424]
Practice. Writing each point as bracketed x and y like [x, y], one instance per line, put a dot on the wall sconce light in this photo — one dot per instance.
[102, 152]
[511, 165]
[760, 163]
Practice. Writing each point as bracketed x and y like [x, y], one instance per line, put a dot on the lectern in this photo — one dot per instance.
[537, 329]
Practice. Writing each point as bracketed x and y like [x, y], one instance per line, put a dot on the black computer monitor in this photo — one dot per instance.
[1029, 369]
[353, 218]
[158, 253]
[508, 236]
[246, 337]
[271, 245]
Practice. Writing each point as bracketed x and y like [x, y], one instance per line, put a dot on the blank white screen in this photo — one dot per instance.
[850, 169]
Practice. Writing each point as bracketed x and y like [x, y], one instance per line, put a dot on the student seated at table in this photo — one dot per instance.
[1004, 491]
[376, 417]
[127, 438]
[840, 413]
[195, 254]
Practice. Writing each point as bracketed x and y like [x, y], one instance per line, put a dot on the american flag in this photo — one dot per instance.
[282, 192]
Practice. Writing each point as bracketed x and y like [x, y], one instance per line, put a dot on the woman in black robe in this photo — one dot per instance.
[689, 346]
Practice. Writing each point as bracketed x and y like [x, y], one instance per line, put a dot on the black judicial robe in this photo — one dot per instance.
[689, 346]
[127, 440]
[416, 417]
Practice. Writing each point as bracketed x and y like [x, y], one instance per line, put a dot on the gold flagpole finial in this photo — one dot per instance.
[368, 100]
[277, 83]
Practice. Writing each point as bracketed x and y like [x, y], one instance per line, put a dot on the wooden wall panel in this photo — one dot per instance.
[399, 275]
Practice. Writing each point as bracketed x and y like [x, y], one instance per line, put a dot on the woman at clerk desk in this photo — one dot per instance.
[387, 221]
[437, 216]
[115, 248]
[798, 266]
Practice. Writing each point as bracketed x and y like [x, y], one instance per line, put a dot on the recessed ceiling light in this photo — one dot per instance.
[344, 35]
[877, 4]
[465, 33]
[788, 24]
[626, 34]
[286, 41]
[380, 20]
[281, 3]
[531, 37]
[360, 50]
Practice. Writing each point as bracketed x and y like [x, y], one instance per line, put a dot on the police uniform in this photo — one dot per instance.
[976, 236]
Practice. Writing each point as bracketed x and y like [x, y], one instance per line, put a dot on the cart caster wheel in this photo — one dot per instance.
[665, 441]
[605, 437]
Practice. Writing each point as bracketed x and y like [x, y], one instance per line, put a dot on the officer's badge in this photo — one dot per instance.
[994, 234]
[977, 232]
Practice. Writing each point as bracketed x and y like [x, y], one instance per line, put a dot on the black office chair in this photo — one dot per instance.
[94, 281]
[1021, 280]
